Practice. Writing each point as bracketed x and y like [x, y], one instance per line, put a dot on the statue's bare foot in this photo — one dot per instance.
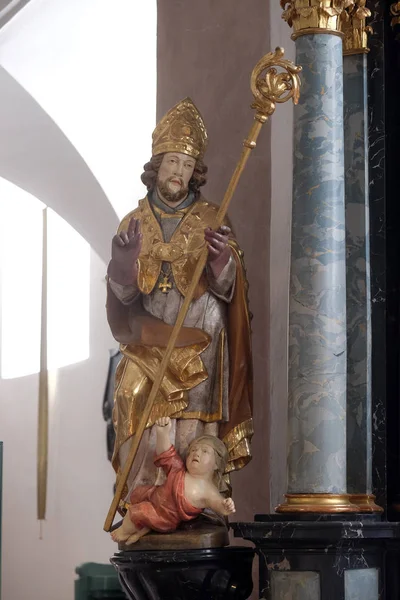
[121, 534]
[136, 536]
[118, 535]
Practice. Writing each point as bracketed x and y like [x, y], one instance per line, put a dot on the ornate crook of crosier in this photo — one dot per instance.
[270, 86]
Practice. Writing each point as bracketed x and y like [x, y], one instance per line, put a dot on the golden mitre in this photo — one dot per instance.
[182, 129]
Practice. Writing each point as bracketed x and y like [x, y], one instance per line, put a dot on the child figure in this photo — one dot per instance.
[186, 492]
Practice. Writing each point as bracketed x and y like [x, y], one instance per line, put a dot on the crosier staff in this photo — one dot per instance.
[269, 87]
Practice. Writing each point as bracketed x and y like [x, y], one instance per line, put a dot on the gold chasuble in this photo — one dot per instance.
[143, 337]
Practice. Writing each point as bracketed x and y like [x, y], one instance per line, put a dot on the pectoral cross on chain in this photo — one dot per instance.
[165, 285]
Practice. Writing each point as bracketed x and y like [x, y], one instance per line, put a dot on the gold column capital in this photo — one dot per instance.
[314, 16]
[354, 29]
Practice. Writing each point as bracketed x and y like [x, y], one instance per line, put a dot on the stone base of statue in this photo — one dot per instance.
[210, 537]
[203, 574]
[208, 530]
[325, 557]
[192, 563]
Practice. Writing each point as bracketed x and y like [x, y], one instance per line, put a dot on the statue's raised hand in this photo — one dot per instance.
[125, 250]
[164, 422]
[218, 248]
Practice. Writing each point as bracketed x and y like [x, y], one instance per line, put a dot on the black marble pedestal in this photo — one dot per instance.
[325, 558]
[207, 574]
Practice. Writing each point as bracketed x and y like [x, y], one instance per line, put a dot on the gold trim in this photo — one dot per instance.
[221, 354]
[365, 503]
[243, 430]
[201, 416]
[317, 503]
[237, 442]
[178, 214]
[316, 31]
[217, 415]
[355, 51]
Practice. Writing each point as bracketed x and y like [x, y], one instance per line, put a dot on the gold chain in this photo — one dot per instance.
[165, 284]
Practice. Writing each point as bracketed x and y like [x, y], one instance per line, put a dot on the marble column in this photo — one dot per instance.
[317, 309]
[359, 403]
[317, 313]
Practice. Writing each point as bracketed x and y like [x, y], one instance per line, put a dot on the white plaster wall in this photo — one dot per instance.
[80, 478]
[36, 156]
[91, 66]
[281, 207]
[75, 130]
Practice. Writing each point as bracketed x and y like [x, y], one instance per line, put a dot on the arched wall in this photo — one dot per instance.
[91, 66]
[36, 156]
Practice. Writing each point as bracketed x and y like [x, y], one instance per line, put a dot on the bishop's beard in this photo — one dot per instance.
[172, 196]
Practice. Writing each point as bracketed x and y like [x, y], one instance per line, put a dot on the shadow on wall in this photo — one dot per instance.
[36, 156]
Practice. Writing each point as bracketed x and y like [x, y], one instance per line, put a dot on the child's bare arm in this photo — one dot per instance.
[219, 504]
[163, 442]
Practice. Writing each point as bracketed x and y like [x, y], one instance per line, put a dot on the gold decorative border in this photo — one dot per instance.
[355, 51]
[316, 31]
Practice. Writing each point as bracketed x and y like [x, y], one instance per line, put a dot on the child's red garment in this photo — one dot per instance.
[163, 507]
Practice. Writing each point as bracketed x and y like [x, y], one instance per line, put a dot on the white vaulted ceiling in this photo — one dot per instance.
[78, 100]
[36, 156]
[9, 8]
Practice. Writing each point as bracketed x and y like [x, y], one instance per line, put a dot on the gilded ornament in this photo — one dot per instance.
[395, 12]
[270, 86]
[354, 29]
[314, 16]
[182, 130]
[165, 285]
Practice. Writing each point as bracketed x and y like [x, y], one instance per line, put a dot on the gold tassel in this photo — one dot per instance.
[43, 413]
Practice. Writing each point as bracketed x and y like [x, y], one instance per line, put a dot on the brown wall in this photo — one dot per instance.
[281, 214]
[207, 50]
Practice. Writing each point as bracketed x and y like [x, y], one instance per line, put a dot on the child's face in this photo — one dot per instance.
[201, 459]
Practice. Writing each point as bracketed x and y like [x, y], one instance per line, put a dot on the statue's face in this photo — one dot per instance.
[201, 459]
[174, 175]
